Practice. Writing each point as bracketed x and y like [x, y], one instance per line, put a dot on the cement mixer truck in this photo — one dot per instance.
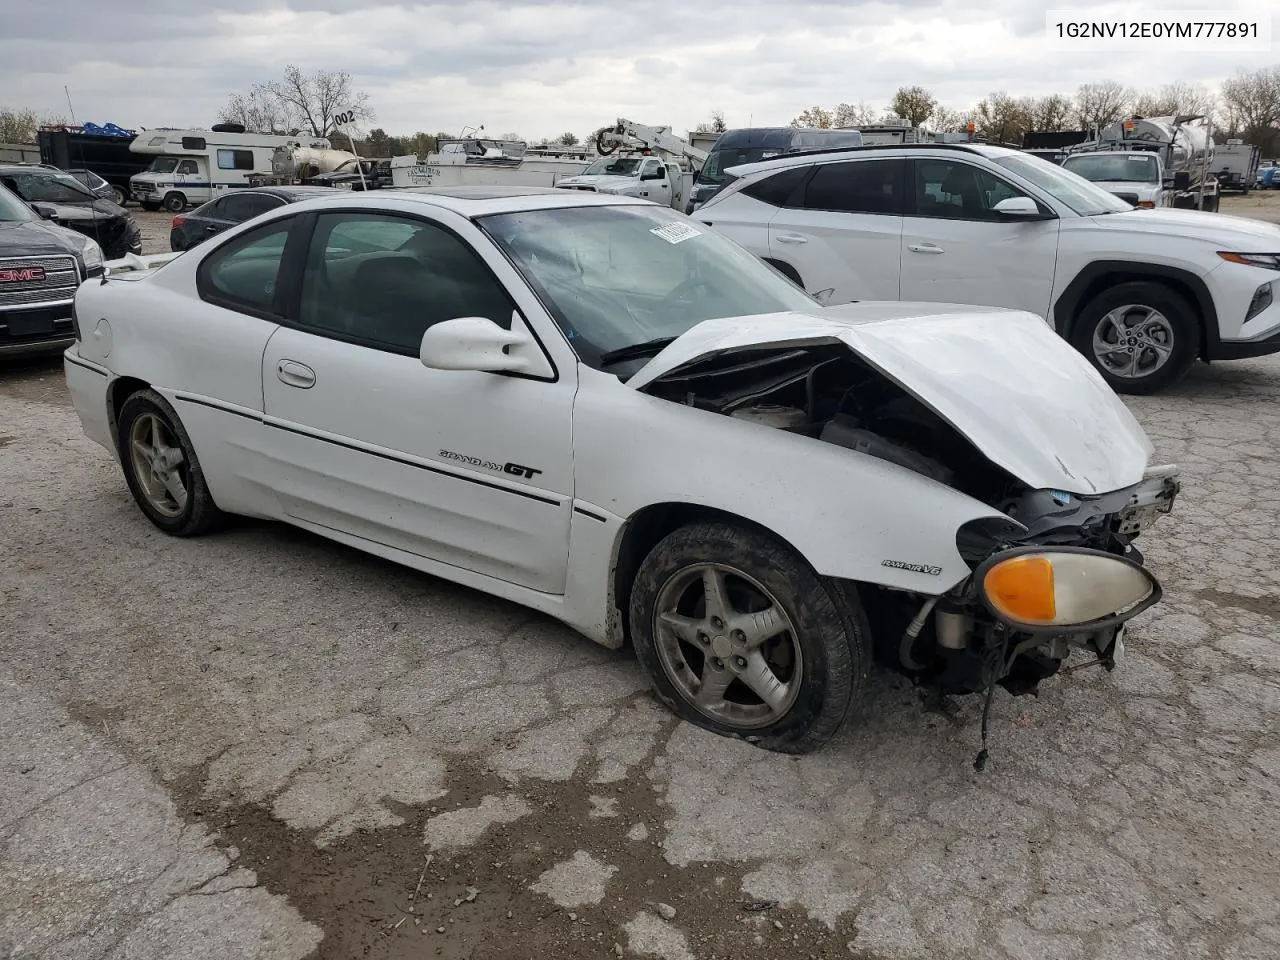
[1185, 151]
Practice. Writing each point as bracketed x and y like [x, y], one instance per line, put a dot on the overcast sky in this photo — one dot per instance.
[539, 68]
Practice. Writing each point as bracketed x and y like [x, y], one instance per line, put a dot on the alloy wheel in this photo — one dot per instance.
[1133, 341]
[728, 646]
[159, 465]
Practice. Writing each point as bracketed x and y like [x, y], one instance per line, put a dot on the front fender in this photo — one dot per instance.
[851, 516]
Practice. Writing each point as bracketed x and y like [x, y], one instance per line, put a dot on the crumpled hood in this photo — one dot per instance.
[596, 180]
[1003, 378]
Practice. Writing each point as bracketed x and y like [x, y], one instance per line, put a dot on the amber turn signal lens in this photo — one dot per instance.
[1021, 588]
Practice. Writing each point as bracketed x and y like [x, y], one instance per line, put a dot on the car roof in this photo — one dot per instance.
[803, 157]
[470, 201]
[301, 192]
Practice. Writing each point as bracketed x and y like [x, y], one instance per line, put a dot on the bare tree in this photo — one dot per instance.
[913, 104]
[1098, 104]
[854, 115]
[18, 126]
[1175, 98]
[258, 111]
[815, 116]
[1252, 98]
[567, 139]
[1053, 112]
[946, 120]
[1003, 118]
[314, 98]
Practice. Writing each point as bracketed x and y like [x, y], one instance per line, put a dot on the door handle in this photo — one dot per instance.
[925, 248]
[295, 374]
[791, 238]
[211, 229]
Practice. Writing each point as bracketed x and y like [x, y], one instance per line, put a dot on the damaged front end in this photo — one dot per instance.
[1057, 572]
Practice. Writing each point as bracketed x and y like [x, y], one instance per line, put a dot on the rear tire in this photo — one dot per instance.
[158, 461]
[175, 202]
[812, 666]
[1140, 335]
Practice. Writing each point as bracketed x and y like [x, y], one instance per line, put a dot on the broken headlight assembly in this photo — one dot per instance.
[1064, 589]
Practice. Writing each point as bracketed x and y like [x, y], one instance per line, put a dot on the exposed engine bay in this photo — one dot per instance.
[829, 393]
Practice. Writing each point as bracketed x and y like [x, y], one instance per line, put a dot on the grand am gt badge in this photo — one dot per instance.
[913, 567]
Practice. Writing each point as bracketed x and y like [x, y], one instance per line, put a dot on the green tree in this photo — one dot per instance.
[567, 139]
[913, 104]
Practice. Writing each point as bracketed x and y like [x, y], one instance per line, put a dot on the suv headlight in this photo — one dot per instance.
[91, 252]
[1269, 261]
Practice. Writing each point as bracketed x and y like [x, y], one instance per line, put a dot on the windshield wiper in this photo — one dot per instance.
[647, 348]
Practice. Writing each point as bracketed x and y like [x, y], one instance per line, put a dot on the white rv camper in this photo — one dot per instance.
[194, 166]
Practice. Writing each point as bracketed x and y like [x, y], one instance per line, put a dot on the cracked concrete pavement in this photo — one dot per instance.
[249, 745]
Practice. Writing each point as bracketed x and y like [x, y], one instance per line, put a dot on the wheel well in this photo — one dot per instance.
[642, 533]
[786, 269]
[120, 390]
[1090, 283]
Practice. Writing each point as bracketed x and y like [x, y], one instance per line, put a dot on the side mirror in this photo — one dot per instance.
[477, 343]
[1022, 208]
[45, 210]
[659, 174]
[1182, 180]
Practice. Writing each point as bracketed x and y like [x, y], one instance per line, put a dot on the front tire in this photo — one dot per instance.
[175, 202]
[161, 467]
[119, 195]
[1141, 336]
[741, 637]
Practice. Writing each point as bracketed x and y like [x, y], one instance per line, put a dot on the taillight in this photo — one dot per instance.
[178, 221]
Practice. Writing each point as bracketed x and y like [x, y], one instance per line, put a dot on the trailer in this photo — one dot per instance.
[1235, 164]
[1185, 149]
[102, 149]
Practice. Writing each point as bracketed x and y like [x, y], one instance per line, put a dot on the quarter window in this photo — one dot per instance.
[383, 280]
[243, 274]
[860, 186]
[780, 189]
[949, 189]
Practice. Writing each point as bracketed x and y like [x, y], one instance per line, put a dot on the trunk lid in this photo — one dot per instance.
[1002, 378]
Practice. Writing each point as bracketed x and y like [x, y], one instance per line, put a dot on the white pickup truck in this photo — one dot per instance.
[1135, 176]
[648, 177]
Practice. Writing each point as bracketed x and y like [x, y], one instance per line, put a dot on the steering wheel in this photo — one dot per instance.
[682, 290]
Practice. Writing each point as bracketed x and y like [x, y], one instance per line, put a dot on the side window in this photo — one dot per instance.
[187, 166]
[242, 274]
[239, 206]
[951, 189]
[780, 189]
[382, 280]
[858, 186]
[235, 159]
[256, 203]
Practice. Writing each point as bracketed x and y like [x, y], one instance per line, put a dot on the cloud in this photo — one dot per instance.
[540, 67]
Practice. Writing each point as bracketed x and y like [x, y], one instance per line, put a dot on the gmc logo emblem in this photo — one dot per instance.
[22, 275]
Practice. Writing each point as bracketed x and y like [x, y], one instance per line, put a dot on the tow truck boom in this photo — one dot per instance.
[654, 138]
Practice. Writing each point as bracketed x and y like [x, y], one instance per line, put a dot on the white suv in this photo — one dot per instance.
[1142, 293]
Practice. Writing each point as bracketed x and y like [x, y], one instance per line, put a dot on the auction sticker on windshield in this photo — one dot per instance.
[676, 232]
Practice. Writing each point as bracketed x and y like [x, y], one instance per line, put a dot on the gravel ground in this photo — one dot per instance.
[262, 744]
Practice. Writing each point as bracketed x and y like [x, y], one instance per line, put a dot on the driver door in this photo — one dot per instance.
[467, 468]
[655, 181]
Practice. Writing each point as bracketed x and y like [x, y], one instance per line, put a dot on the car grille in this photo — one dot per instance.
[61, 277]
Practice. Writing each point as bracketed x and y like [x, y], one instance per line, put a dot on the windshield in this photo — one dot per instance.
[1114, 168]
[163, 165]
[1074, 192]
[12, 209]
[616, 276]
[615, 166]
[49, 188]
[719, 160]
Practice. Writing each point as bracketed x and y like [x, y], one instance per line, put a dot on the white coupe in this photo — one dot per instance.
[600, 409]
